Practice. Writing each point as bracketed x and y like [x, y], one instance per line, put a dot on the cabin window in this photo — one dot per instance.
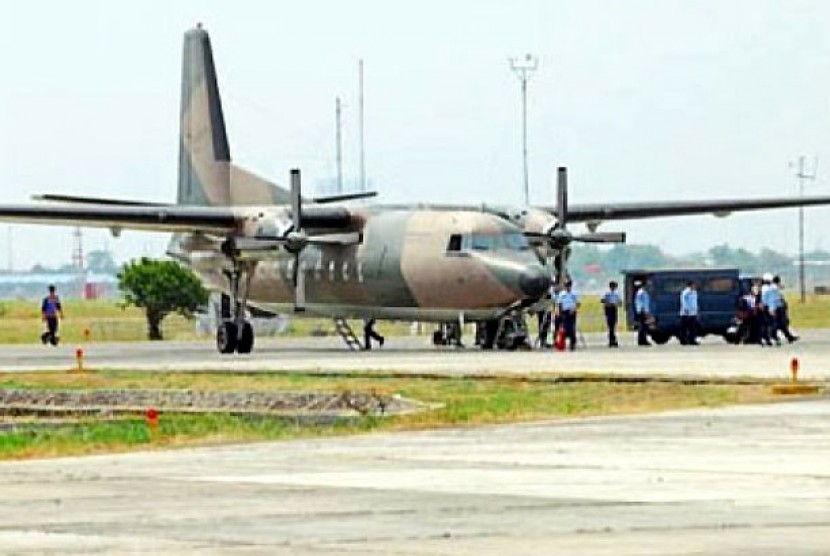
[454, 244]
[331, 271]
[345, 271]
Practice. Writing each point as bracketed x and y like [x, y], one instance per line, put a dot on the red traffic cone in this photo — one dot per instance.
[559, 344]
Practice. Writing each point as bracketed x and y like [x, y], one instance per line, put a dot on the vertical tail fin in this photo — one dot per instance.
[204, 154]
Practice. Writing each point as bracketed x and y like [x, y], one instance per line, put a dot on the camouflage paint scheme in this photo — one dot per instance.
[401, 268]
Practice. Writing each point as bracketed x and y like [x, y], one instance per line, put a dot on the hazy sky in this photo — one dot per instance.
[642, 100]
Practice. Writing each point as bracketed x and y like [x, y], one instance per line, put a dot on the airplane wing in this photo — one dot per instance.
[721, 207]
[161, 218]
[152, 218]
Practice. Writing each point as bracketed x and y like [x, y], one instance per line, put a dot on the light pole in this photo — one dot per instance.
[802, 175]
[524, 68]
[338, 138]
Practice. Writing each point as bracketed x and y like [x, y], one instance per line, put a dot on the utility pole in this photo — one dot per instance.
[339, 146]
[360, 117]
[524, 68]
[801, 176]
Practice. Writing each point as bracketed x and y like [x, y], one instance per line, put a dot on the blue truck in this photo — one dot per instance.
[719, 291]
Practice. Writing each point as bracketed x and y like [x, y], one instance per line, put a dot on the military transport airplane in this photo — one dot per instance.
[271, 249]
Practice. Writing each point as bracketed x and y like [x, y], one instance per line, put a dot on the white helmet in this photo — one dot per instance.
[767, 277]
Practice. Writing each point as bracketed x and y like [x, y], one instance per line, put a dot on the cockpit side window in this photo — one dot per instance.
[483, 242]
[516, 241]
[454, 244]
[487, 242]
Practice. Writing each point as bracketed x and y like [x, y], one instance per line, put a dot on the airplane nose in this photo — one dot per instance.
[534, 282]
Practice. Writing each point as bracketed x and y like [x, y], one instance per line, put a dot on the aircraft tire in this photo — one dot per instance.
[226, 337]
[246, 340]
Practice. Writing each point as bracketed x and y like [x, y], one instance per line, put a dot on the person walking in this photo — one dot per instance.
[369, 334]
[568, 304]
[50, 310]
[642, 309]
[782, 320]
[769, 305]
[748, 307]
[688, 314]
[611, 303]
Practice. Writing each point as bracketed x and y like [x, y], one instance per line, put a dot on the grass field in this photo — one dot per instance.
[463, 402]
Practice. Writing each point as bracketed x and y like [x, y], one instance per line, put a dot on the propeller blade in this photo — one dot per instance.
[296, 199]
[562, 197]
[298, 239]
[335, 239]
[344, 197]
[601, 237]
[258, 243]
[298, 280]
[560, 266]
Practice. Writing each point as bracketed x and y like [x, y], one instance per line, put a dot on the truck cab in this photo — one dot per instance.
[718, 293]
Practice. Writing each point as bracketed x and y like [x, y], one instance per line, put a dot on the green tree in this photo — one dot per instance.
[161, 288]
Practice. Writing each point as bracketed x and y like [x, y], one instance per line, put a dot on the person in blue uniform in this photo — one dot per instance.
[688, 315]
[611, 303]
[782, 319]
[568, 304]
[642, 309]
[50, 310]
[770, 298]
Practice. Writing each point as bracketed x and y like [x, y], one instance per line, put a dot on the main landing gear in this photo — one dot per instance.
[235, 333]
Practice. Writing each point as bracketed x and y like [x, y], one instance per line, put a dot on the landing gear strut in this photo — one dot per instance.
[235, 333]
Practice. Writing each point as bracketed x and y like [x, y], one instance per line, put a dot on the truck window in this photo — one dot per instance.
[720, 285]
[671, 285]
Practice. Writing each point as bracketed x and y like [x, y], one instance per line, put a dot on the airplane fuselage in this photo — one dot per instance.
[409, 264]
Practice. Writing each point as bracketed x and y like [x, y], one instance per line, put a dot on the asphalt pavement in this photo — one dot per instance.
[714, 358]
[742, 480]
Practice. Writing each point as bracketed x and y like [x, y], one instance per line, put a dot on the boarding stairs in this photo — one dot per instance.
[345, 331]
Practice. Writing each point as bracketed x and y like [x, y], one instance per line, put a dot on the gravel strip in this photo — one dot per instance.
[348, 403]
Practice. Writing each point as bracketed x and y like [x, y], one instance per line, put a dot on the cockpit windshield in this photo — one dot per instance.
[510, 241]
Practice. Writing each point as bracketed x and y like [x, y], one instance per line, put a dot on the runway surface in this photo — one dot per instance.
[743, 480]
[714, 358]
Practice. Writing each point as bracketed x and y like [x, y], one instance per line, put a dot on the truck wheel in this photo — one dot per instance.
[660, 337]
